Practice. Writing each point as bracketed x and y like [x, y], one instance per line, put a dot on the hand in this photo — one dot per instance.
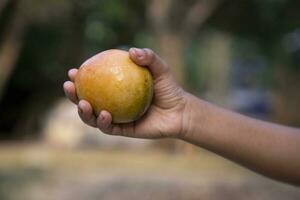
[165, 116]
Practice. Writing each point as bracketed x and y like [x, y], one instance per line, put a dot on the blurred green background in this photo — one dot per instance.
[242, 55]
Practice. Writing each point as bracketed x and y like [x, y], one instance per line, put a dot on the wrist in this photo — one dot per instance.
[186, 116]
[193, 117]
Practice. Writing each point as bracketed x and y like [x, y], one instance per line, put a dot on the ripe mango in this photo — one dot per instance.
[111, 81]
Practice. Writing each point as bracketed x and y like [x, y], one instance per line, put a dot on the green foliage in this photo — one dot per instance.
[61, 34]
[113, 23]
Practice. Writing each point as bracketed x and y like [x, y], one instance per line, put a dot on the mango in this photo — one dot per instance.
[111, 81]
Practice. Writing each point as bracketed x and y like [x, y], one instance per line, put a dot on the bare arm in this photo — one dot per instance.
[267, 148]
[270, 149]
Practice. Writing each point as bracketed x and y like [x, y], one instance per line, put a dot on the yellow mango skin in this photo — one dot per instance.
[111, 81]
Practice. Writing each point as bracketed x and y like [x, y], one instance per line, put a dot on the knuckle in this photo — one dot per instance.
[149, 53]
[91, 122]
[126, 134]
[103, 130]
[116, 130]
[125, 131]
[83, 118]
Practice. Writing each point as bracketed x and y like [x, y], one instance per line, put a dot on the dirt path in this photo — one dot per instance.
[38, 173]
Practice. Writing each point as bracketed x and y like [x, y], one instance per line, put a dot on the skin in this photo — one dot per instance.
[270, 149]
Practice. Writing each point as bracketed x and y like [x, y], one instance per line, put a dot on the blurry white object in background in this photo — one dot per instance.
[63, 128]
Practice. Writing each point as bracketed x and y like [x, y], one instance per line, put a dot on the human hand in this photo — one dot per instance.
[165, 116]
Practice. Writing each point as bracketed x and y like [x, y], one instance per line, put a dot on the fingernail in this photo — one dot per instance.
[101, 117]
[139, 53]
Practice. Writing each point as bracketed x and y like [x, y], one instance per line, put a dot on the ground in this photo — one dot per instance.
[37, 172]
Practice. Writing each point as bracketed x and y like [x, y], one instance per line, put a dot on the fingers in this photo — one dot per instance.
[86, 114]
[85, 109]
[72, 74]
[69, 87]
[70, 91]
[104, 123]
[146, 57]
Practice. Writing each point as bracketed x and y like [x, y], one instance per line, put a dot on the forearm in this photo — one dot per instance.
[270, 149]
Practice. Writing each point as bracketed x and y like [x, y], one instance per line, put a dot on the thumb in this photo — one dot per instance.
[146, 57]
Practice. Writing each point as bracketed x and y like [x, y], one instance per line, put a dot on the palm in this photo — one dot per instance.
[163, 118]
[149, 126]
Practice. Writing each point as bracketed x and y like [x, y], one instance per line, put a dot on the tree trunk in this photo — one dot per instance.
[171, 50]
[217, 69]
[11, 47]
